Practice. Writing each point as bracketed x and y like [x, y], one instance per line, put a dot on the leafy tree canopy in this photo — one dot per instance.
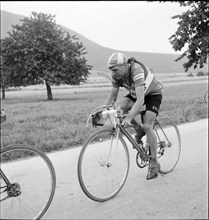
[192, 33]
[40, 51]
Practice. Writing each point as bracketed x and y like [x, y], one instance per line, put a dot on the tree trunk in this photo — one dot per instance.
[49, 91]
[3, 93]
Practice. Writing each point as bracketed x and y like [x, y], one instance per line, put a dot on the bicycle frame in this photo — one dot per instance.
[5, 178]
[133, 142]
[144, 156]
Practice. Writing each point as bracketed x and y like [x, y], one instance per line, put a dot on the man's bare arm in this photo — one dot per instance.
[113, 96]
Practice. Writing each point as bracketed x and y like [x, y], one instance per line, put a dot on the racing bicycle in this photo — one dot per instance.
[104, 161]
[27, 182]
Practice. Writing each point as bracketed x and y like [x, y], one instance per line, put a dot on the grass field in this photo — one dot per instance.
[61, 123]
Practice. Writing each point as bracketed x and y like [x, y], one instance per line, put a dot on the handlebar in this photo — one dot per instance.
[103, 109]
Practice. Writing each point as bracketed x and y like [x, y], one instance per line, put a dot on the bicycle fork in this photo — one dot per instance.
[109, 164]
[12, 190]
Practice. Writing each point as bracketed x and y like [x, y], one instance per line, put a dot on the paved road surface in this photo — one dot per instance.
[181, 194]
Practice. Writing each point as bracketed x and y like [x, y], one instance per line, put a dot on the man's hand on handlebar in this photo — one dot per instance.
[127, 121]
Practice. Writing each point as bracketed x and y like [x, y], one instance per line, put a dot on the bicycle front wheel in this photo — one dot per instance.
[168, 144]
[27, 182]
[103, 165]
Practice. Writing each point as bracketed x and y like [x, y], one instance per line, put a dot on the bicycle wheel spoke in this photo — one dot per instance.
[33, 178]
[169, 144]
[103, 166]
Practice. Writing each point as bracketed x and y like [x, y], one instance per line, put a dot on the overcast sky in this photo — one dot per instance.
[120, 25]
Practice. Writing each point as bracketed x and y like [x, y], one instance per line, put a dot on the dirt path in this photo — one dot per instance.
[181, 194]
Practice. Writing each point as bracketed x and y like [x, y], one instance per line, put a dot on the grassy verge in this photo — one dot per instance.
[61, 123]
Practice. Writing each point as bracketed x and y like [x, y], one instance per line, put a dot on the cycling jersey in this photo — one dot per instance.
[136, 76]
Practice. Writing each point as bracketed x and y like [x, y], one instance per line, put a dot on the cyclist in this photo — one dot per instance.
[144, 89]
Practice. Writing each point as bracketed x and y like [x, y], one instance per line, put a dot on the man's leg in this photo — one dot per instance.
[154, 166]
[140, 132]
[126, 104]
[149, 118]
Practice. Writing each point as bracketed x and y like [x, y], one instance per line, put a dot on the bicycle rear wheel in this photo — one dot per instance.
[168, 144]
[103, 165]
[206, 97]
[33, 180]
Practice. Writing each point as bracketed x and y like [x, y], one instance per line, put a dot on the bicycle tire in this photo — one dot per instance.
[102, 172]
[29, 168]
[206, 97]
[168, 144]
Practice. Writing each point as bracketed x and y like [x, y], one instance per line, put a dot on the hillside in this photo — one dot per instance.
[98, 55]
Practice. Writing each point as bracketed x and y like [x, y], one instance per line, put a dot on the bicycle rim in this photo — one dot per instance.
[33, 172]
[206, 97]
[169, 144]
[103, 165]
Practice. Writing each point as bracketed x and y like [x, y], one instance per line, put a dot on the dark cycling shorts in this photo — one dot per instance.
[152, 102]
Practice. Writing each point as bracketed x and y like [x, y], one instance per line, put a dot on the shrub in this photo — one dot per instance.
[190, 75]
[200, 73]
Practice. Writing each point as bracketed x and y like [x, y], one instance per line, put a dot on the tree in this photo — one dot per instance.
[193, 33]
[3, 81]
[8, 76]
[39, 51]
[4, 78]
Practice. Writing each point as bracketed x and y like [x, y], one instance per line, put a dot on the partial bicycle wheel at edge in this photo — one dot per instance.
[33, 177]
[206, 97]
[103, 165]
[168, 144]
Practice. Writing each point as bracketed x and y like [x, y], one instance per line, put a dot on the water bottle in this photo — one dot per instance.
[110, 117]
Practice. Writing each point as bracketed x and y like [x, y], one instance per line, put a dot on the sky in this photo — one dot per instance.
[121, 25]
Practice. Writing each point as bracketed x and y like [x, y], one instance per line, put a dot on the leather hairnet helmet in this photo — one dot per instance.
[117, 59]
